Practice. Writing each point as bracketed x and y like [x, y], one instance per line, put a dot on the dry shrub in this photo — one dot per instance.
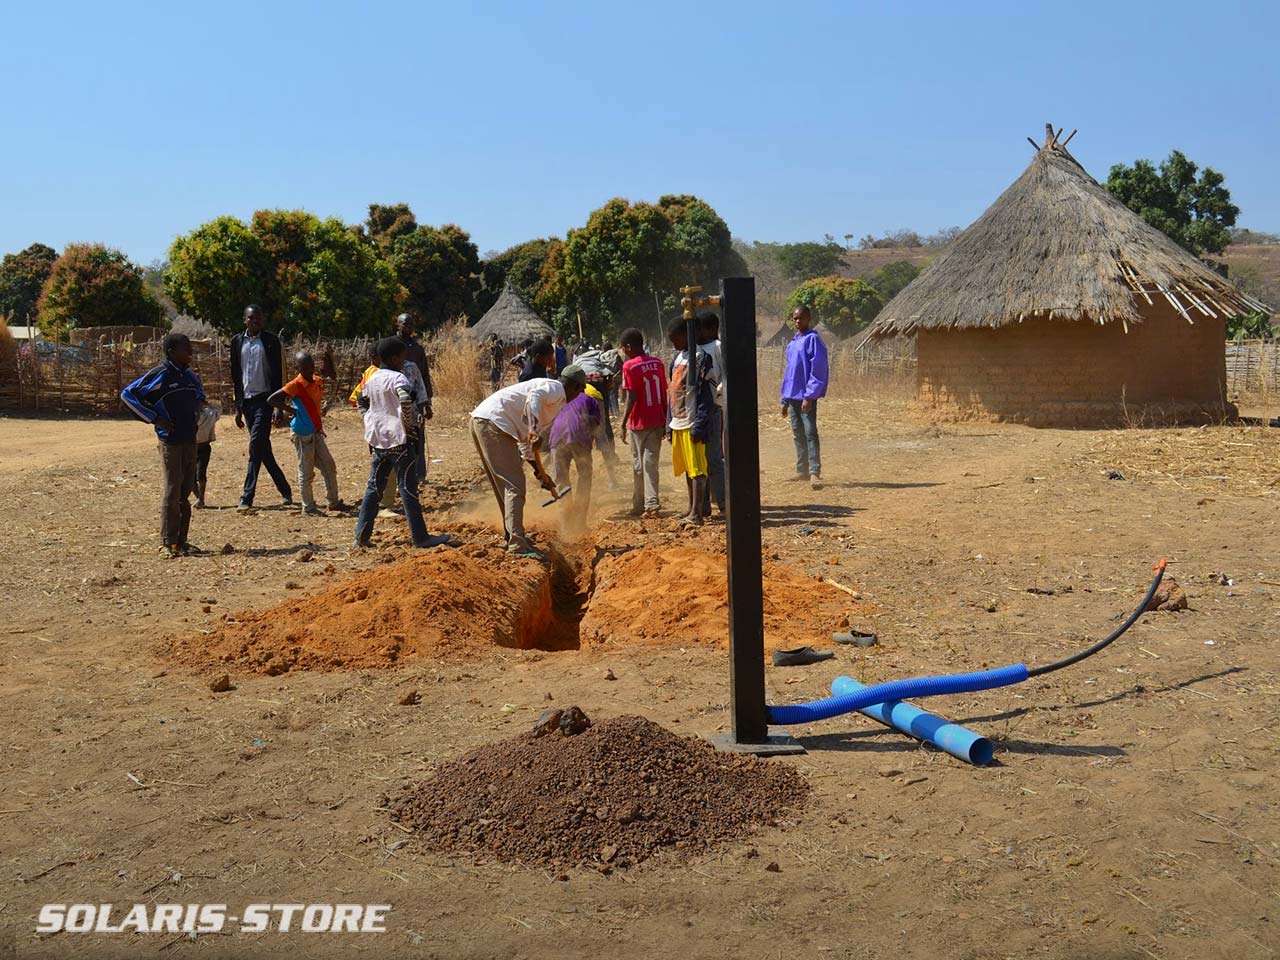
[458, 373]
[8, 350]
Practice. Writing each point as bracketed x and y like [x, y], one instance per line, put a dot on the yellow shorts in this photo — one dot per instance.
[687, 456]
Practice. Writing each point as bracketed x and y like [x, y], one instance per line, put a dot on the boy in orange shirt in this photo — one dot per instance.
[306, 391]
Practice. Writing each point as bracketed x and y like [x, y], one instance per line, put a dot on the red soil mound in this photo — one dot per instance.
[435, 604]
[680, 594]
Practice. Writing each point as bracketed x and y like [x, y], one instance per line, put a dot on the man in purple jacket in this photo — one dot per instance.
[803, 383]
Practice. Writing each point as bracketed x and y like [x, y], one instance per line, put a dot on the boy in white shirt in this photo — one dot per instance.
[390, 422]
[508, 427]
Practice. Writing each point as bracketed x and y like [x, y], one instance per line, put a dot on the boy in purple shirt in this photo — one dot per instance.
[572, 433]
[803, 383]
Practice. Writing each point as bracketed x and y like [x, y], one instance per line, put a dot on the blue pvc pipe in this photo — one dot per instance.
[834, 706]
[954, 739]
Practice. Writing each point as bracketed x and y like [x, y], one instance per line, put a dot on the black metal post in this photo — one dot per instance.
[742, 494]
[750, 731]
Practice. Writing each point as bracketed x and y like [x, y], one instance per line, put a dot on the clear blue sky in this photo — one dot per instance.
[130, 123]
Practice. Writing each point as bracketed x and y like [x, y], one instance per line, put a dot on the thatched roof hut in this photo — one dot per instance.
[1061, 305]
[511, 319]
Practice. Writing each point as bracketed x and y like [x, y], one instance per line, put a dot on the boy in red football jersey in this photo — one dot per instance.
[644, 382]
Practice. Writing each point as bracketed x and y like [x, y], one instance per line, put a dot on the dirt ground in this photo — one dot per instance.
[1132, 810]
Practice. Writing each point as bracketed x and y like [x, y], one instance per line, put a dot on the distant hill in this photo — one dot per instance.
[859, 263]
[1256, 269]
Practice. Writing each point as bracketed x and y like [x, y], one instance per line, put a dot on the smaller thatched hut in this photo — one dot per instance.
[511, 319]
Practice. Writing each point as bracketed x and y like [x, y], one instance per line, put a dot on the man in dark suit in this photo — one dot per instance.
[257, 371]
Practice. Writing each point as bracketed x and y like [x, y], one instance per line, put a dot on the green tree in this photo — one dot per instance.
[844, 305]
[91, 286]
[629, 260]
[22, 277]
[700, 248]
[440, 269]
[1195, 212]
[387, 223]
[892, 277]
[802, 261]
[308, 274]
[215, 271]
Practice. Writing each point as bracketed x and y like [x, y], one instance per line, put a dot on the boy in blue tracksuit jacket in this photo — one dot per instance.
[170, 397]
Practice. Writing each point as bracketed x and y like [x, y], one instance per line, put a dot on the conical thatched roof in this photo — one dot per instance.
[1057, 243]
[511, 319]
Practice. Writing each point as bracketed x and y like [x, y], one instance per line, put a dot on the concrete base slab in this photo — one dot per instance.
[776, 745]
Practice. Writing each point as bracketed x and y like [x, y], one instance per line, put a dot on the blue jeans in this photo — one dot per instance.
[715, 461]
[804, 430]
[404, 460]
[257, 414]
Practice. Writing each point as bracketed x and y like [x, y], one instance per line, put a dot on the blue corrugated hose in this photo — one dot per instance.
[954, 683]
[897, 690]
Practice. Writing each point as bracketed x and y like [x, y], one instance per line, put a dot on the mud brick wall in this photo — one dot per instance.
[1072, 373]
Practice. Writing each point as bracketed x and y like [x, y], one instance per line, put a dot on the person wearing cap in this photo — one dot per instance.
[572, 435]
[507, 428]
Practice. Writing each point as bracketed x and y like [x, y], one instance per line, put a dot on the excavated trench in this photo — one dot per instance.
[458, 603]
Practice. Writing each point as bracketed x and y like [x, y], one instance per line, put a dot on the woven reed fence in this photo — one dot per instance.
[1253, 366]
[88, 378]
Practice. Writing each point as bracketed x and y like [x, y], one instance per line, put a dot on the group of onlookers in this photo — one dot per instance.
[561, 403]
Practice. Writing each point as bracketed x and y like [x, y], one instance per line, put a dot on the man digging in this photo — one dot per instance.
[508, 427]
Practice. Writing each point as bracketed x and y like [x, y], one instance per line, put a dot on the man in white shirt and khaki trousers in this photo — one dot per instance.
[506, 428]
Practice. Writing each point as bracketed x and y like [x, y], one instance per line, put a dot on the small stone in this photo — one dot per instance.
[889, 772]
[773, 867]
[227, 549]
[609, 674]
[410, 699]
[206, 609]
[752, 853]
[548, 697]
[573, 721]
[608, 852]
[306, 556]
[220, 684]
[291, 585]
[548, 722]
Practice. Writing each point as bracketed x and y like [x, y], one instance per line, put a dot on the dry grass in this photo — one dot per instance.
[1244, 460]
[8, 349]
[458, 370]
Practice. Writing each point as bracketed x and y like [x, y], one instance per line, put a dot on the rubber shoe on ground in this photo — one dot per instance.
[189, 550]
[362, 545]
[168, 552]
[798, 478]
[287, 503]
[816, 482]
[800, 657]
[246, 508]
[312, 511]
[439, 540]
[339, 506]
[387, 514]
[690, 521]
[528, 553]
[855, 638]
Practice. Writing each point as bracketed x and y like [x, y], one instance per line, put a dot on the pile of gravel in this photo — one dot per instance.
[610, 796]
